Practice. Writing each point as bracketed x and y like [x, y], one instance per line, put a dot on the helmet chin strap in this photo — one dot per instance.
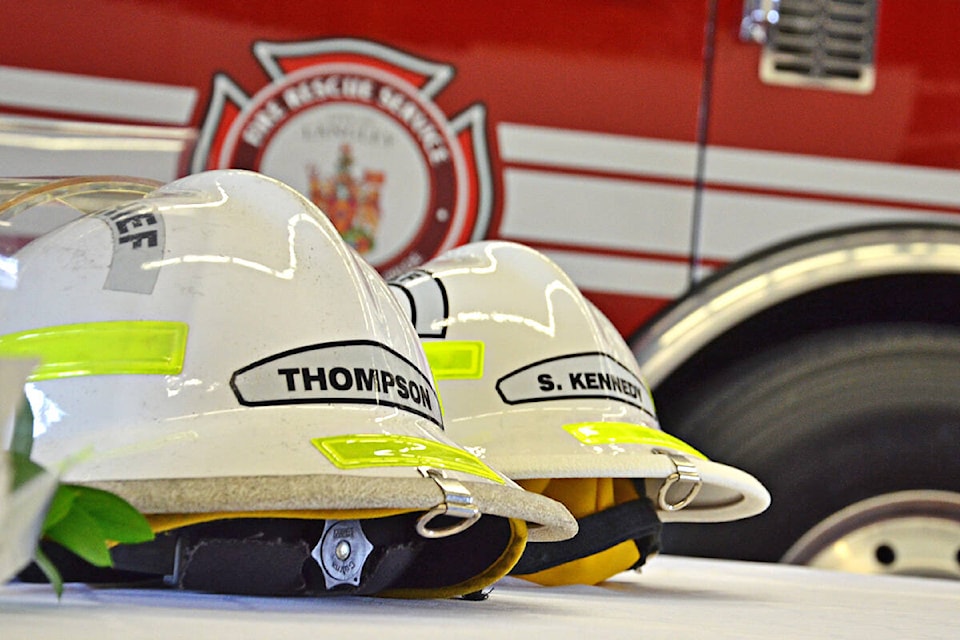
[286, 557]
[635, 520]
[279, 556]
[266, 557]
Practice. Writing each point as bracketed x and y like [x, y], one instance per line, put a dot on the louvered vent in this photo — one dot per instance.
[823, 43]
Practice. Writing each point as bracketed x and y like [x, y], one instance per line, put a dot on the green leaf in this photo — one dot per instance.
[86, 520]
[49, 570]
[83, 520]
[79, 532]
[60, 505]
[118, 519]
[22, 441]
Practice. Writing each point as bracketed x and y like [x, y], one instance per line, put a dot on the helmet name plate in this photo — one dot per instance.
[581, 375]
[358, 372]
[138, 238]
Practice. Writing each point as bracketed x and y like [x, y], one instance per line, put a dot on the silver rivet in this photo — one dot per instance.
[341, 552]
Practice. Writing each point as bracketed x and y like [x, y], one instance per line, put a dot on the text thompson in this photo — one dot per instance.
[356, 379]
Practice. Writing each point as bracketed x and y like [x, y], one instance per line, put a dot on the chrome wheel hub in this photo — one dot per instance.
[905, 533]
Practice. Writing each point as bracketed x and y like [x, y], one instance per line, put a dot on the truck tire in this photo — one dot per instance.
[825, 422]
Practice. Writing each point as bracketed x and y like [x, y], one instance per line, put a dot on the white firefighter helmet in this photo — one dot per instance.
[538, 382]
[215, 354]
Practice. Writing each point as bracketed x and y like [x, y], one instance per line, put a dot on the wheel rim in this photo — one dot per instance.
[904, 533]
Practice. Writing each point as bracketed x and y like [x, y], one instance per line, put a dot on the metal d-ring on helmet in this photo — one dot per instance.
[215, 354]
[537, 381]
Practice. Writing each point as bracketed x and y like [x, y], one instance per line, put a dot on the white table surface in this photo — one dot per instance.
[674, 598]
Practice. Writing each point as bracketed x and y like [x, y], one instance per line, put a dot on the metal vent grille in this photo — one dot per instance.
[822, 43]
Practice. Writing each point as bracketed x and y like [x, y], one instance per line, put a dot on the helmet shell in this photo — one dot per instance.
[538, 382]
[216, 346]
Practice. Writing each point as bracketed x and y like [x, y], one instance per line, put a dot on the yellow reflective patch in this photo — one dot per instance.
[366, 451]
[599, 433]
[101, 348]
[455, 359]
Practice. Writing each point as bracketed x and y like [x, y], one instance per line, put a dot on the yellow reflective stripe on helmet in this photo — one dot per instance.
[598, 433]
[366, 451]
[101, 348]
[455, 359]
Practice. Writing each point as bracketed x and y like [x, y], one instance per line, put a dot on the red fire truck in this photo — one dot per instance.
[763, 195]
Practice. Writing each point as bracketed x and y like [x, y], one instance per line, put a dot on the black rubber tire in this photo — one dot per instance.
[824, 421]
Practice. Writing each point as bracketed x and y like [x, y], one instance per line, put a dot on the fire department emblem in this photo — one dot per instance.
[353, 125]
